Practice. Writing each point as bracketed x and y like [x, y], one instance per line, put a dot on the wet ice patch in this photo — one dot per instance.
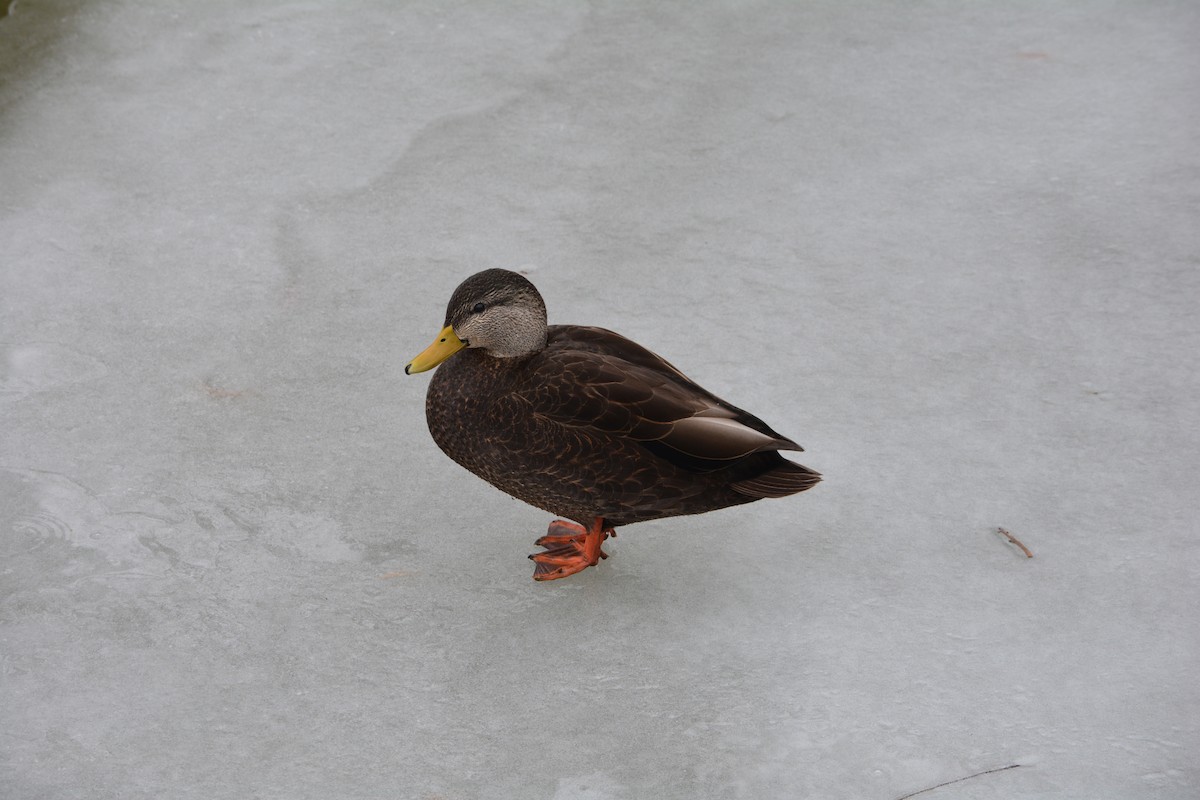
[44, 509]
[47, 511]
[311, 536]
[37, 366]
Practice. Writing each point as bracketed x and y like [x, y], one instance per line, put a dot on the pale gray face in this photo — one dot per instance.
[498, 311]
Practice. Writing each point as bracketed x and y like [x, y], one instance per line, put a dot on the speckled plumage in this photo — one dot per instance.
[595, 426]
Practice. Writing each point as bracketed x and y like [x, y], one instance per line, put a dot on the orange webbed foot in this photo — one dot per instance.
[570, 548]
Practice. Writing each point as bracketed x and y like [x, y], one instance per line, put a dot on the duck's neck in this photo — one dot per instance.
[519, 343]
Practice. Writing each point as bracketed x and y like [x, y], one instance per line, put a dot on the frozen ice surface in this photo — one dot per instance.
[951, 248]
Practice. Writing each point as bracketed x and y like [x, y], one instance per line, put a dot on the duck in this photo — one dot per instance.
[586, 424]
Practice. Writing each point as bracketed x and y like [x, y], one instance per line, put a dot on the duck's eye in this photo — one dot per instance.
[478, 309]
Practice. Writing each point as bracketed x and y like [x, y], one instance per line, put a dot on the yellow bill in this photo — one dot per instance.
[445, 345]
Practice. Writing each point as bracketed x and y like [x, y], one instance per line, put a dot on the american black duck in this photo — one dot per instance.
[587, 425]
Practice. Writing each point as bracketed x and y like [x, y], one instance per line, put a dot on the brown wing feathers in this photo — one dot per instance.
[615, 386]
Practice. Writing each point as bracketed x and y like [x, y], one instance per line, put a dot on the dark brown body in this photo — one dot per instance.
[583, 429]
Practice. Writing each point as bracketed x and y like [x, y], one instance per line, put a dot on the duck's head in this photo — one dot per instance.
[496, 311]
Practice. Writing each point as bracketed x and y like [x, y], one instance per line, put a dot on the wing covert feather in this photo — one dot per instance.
[600, 382]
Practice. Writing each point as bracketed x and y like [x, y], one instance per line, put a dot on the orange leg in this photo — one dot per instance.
[570, 548]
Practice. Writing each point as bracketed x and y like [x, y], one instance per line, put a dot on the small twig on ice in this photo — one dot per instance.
[960, 780]
[1017, 542]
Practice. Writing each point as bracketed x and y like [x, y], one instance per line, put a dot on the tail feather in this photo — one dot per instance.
[781, 480]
